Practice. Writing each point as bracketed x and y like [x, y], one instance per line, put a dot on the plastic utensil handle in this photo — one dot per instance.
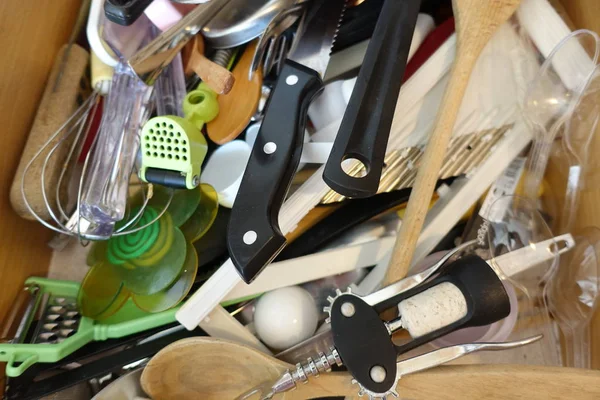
[253, 236]
[125, 13]
[365, 128]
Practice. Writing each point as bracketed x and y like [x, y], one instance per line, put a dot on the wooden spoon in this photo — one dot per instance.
[237, 108]
[218, 78]
[207, 368]
[476, 21]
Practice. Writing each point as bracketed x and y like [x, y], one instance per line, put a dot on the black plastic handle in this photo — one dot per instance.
[365, 128]
[363, 341]
[125, 12]
[484, 292]
[253, 237]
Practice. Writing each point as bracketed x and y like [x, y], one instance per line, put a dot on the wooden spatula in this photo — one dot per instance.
[476, 21]
[207, 368]
[237, 108]
[218, 78]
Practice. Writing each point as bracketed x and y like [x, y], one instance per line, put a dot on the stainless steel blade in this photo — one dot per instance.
[317, 33]
[447, 354]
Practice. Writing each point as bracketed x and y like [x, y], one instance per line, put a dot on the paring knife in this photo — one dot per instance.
[254, 237]
[366, 124]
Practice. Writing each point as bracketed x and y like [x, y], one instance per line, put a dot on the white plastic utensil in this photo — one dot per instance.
[225, 168]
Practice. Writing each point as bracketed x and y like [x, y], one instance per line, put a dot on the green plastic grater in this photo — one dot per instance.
[172, 152]
[61, 330]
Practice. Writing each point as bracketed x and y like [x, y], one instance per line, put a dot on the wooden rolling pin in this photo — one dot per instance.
[476, 21]
[58, 103]
[207, 368]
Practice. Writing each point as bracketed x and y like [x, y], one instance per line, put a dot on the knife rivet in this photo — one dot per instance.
[250, 237]
[291, 80]
[270, 148]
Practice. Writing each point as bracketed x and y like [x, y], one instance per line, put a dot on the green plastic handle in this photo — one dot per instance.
[201, 106]
[13, 371]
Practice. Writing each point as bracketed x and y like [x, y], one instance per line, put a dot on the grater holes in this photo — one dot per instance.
[176, 141]
[169, 148]
[177, 158]
[164, 124]
[162, 148]
[184, 149]
[162, 155]
[151, 131]
[148, 153]
[177, 149]
[154, 146]
[184, 158]
[170, 126]
[168, 140]
[157, 125]
[171, 134]
[169, 156]
[183, 142]
[147, 145]
[178, 134]
[155, 154]
[162, 139]
[147, 137]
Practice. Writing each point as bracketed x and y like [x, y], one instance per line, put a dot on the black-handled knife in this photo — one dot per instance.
[366, 124]
[254, 238]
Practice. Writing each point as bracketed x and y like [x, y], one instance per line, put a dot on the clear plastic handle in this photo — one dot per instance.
[104, 195]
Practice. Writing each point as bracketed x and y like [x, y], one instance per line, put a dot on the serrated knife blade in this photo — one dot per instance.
[317, 33]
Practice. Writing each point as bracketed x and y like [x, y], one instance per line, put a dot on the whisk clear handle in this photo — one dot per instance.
[106, 179]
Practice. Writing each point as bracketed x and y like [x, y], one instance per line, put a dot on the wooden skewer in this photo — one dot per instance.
[476, 22]
[218, 78]
[207, 368]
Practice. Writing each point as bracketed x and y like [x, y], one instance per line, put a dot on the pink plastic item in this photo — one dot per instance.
[164, 14]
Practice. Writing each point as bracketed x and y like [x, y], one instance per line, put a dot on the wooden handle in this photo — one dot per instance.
[216, 77]
[476, 22]
[472, 382]
[432, 161]
[237, 108]
[207, 368]
[57, 105]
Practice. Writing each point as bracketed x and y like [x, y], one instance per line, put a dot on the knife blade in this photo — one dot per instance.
[254, 237]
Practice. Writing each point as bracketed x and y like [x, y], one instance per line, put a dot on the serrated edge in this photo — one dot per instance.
[339, 24]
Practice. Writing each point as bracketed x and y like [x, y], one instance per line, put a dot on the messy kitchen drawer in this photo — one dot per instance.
[206, 201]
